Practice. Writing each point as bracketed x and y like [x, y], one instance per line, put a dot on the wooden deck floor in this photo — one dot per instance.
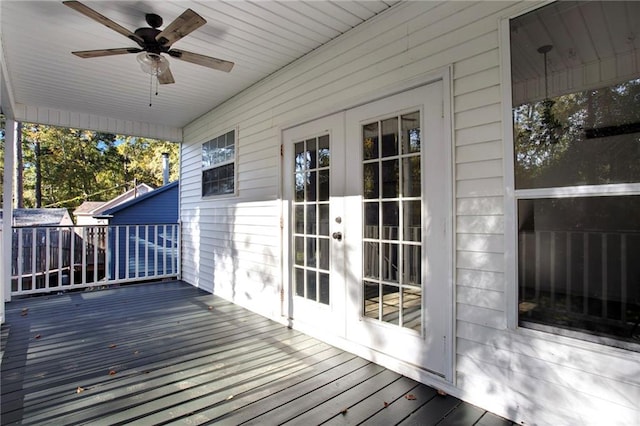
[169, 353]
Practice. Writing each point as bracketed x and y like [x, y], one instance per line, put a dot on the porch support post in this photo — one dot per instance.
[7, 212]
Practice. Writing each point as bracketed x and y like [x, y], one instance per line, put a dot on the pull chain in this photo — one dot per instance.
[150, 88]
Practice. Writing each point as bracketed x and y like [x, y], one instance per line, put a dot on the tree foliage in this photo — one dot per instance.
[81, 165]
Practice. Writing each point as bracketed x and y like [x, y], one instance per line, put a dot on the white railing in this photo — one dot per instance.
[60, 258]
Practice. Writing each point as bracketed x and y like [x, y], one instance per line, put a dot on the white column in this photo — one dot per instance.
[7, 214]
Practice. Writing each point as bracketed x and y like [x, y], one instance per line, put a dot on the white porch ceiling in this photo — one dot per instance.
[261, 37]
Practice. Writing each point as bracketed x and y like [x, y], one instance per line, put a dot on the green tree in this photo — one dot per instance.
[78, 165]
[144, 161]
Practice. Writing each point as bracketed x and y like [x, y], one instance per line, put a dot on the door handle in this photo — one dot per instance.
[337, 236]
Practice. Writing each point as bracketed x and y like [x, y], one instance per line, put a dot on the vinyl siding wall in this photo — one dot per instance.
[231, 245]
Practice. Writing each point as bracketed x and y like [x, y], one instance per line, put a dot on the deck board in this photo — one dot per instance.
[168, 353]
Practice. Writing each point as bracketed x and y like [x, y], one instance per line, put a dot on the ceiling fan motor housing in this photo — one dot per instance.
[148, 35]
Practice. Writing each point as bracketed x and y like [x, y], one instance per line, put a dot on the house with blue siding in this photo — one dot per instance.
[148, 242]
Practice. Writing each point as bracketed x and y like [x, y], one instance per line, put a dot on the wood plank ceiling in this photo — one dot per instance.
[261, 37]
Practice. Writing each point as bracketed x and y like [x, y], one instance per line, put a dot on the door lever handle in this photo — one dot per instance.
[337, 236]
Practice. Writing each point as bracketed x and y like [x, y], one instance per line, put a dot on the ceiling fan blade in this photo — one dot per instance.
[206, 61]
[166, 77]
[106, 52]
[87, 11]
[180, 27]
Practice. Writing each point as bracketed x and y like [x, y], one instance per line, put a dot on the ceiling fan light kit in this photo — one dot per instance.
[152, 63]
[153, 42]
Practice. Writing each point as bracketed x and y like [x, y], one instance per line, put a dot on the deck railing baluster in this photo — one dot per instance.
[43, 256]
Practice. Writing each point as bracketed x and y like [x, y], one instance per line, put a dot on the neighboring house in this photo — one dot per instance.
[150, 242]
[373, 194]
[29, 257]
[40, 217]
[87, 212]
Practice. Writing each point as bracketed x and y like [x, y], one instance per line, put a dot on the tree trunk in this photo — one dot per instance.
[19, 189]
[38, 175]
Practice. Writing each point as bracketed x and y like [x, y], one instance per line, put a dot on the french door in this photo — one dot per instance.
[369, 211]
[313, 176]
[399, 302]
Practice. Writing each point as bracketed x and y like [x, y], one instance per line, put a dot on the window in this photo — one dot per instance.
[218, 165]
[576, 122]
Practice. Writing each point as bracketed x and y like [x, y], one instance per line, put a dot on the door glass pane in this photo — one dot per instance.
[411, 177]
[410, 133]
[371, 220]
[412, 265]
[412, 220]
[311, 219]
[371, 253]
[311, 285]
[312, 154]
[411, 311]
[370, 180]
[324, 154]
[300, 180]
[371, 306]
[323, 219]
[390, 266]
[324, 288]
[311, 252]
[390, 179]
[323, 253]
[323, 185]
[300, 161]
[299, 250]
[370, 141]
[299, 219]
[390, 220]
[299, 284]
[312, 186]
[391, 304]
[390, 137]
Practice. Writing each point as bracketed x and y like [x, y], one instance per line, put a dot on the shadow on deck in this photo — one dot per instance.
[169, 353]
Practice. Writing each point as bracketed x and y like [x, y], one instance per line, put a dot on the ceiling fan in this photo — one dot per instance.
[153, 42]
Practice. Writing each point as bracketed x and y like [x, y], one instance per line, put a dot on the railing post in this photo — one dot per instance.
[7, 213]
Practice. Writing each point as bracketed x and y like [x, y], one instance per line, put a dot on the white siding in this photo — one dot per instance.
[232, 245]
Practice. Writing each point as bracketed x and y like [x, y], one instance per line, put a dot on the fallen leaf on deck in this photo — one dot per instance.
[112, 372]
[211, 308]
[113, 345]
[136, 352]
[24, 312]
[441, 392]
[37, 336]
[344, 411]
[410, 397]
[386, 404]
[229, 397]
[80, 389]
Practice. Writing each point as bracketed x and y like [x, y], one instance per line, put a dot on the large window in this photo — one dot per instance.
[576, 120]
[218, 165]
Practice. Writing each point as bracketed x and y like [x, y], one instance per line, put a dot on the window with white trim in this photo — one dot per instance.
[576, 122]
[219, 165]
